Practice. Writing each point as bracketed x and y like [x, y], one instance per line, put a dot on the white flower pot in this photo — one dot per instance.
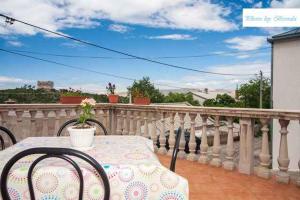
[81, 138]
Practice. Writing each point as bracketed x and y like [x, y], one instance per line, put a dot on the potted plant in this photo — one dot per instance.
[82, 134]
[140, 97]
[112, 97]
[71, 96]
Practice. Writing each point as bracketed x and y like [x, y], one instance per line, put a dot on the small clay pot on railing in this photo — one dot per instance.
[113, 98]
[141, 100]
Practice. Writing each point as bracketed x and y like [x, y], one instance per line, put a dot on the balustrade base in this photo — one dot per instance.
[263, 172]
[192, 157]
[298, 182]
[282, 177]
[229, 165]
[181, 155]
[162, 151]
[203, 159]
[216, 162]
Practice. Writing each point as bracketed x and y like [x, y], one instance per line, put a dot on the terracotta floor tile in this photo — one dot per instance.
[212, 183]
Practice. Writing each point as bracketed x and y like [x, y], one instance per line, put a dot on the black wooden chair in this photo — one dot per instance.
[75, 122]
[57, 153]
[9, 134]
[175, 150]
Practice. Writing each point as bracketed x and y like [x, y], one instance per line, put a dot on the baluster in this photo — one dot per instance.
[39, 123]
[125, 123]
[181, 153]
[138, 123]
[204, 146]
[283, 159]
[19, 124]
[12, 123]
[45, 131]
[26, 124]
[1, 119]
[106, 120]
[298, 181]
[264, 156]
[228, 164]
[56, 123]
[153, 131]
[33, 131]
[131, 122]
[51, 123]
[192, 144]
[162, 135]
[171, 134]
[72, 114]
[146, 128]
[119, 123]
[216, 160]
[62, 116]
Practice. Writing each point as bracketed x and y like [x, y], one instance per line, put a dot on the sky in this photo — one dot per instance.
[209, 29]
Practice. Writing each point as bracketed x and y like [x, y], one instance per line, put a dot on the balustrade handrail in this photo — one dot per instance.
[219, 111]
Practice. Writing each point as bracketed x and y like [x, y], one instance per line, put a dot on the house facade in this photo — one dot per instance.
[286, 90]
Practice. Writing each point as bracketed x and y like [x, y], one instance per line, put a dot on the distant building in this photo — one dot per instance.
[46, 85]
[285, 90]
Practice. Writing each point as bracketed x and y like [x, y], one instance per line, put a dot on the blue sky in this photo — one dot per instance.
[149, 29]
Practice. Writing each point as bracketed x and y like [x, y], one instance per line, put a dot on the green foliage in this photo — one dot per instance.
[248, 96]
[28, 94]
[144, 88]
[221, 100]
[249, 93]
[71, 93]
[87, 106]
[181, 97]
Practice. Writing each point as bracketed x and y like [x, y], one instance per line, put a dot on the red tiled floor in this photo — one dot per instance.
[207, 182]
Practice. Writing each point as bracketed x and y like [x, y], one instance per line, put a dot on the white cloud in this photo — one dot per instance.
[7, 79]
[58, 15]
[197, 81]
[258, 5]
[173, 37]
[118, 28]
[274, 30]
[246, 43]
[15, 43]
[285, 4]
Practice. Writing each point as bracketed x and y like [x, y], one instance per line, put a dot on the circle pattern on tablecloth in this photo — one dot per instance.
[126, 174]
[110, 170]
[136, 156]
[14, 194]
[148, 169]
[50, 197]
[171, 195]
[19, 175]
[71, 192]
[168, 180]
[46, 182]
[136, 191]
[95, 191]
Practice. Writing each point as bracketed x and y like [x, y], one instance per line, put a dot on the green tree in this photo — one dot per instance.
[181, 97]
[147, 88]
[248, 93]
[221, 100]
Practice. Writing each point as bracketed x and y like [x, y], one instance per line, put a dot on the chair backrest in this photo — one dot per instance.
[57, 153]
[9, 134]
[175, 150]
[75, 122]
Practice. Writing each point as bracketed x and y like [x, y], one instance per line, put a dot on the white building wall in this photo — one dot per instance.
[286, 95]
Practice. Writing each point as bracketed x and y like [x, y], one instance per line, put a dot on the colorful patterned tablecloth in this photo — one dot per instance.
[132, 167]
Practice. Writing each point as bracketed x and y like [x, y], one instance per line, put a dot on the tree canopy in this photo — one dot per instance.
[181, 97]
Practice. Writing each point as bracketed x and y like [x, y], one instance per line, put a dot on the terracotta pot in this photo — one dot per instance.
[141, 100]
[71, 99]
[113, 98]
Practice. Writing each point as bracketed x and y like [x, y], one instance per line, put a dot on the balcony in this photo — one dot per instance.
[235, 143]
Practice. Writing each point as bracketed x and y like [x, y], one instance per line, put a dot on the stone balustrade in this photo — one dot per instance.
[158, 122]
